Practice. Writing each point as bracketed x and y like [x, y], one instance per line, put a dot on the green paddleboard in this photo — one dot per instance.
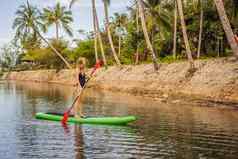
[88, 120]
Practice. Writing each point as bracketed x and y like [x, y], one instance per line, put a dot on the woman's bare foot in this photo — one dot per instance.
[82, 116]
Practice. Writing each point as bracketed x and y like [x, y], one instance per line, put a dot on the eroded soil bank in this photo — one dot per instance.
[215, 79]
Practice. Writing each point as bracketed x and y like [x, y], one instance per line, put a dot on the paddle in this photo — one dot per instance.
[66, 113]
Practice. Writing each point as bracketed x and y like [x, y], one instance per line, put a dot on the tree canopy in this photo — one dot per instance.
[125, 32]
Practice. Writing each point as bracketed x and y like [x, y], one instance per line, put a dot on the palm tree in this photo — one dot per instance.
[185, 36]
[60, 17]
[106, 4]
[144, 28]
[97, 34]
[24, 22]
[200, 30]
[120, 22]
[29, 21]
[226, 26]
[156, 11]
[97, 31]
[95, 37]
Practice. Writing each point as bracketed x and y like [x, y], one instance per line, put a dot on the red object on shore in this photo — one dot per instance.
[66, 114]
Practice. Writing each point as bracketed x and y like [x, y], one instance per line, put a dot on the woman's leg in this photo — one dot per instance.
[78, 107]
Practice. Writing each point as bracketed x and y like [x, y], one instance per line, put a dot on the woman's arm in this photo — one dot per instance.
[76, 72]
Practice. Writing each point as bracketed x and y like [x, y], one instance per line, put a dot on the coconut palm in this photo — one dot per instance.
[60, 17]
[28, 20]
[185, 36]
[97, 34]
[145, 31]
[97, 31]
[120, 21]
[226, 26]
[158, 20]
[157, 17]
[106, 4]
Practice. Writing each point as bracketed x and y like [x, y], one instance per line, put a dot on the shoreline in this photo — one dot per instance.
[214, 80]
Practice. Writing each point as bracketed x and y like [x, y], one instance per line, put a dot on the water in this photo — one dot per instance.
[163, 130]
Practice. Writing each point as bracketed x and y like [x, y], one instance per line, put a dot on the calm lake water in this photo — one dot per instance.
[162, 131]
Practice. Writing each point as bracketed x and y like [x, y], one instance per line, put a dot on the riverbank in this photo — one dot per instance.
[215, 79]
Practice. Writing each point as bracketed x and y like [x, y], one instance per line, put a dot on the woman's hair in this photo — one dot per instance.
[81, 61]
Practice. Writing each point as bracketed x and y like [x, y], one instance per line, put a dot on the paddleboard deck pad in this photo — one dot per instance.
[87, 120]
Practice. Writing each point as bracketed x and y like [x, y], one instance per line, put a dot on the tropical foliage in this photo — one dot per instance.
[150, 31]
[60, 17]
[9, 54]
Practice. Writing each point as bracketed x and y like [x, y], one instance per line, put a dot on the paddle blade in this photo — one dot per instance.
[65, 118]
[96, 66]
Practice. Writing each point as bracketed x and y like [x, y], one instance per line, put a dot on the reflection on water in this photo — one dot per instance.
[162, 131]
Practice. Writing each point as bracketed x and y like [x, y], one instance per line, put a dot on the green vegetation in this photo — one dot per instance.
[8, 58]
[151, 31]
[60, 17]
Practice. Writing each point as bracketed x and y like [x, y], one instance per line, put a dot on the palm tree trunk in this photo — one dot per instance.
[98, 32]
[109, 34]
[119, 46]
[95, 34]
[200, 31]
[175, 29]
[226, 26]
[57, 30]
[54, 50]
[185, 36]
[147, 39]
[218, 47]
[137, 33]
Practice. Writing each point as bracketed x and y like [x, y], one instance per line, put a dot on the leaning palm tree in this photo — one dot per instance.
[97, 31]
[145, 31]
[185, 36]
[97, 34]
[60, 17]
[106, 4]
[28, 20]
[158, 17]
[226, 26]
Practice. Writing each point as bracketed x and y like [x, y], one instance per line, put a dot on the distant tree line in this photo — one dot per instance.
[151, 31]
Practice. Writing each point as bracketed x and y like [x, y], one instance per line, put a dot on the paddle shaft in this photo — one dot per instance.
[75, 100]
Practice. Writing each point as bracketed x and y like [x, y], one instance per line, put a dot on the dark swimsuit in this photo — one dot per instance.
[82, 79]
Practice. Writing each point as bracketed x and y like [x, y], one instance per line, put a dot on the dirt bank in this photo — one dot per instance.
[215, 79]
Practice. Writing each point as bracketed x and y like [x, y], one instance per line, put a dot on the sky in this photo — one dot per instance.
[81, 13]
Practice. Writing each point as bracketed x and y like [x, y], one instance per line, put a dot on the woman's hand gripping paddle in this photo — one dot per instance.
[66, 113]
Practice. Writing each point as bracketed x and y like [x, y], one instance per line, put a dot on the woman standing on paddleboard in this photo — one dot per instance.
[81, 81]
